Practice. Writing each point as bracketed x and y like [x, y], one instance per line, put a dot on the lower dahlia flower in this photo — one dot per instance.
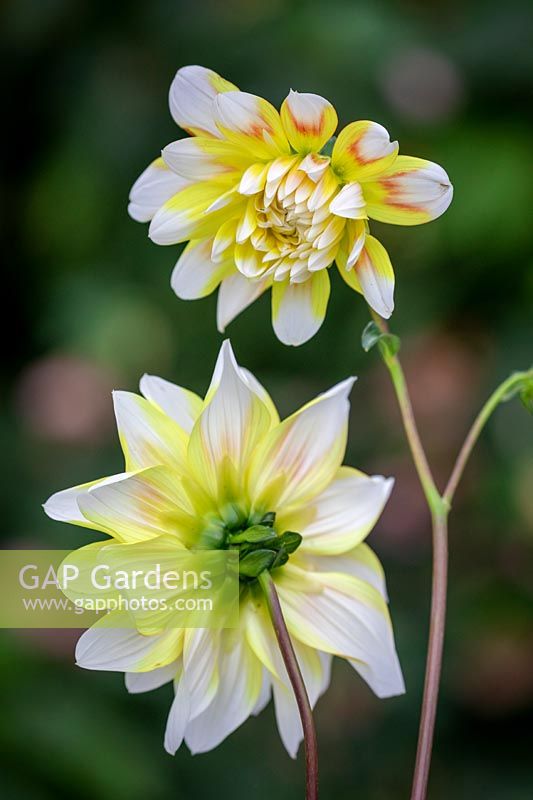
[204, 473]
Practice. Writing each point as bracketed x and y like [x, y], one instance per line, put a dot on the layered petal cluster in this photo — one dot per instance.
[189, 461]
[266, 200]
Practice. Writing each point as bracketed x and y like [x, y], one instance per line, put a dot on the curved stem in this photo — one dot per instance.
[440, 507]
[500, 394]
[297, 682]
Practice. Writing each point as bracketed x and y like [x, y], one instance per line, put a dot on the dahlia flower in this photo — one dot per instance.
[204, 472]
[268, 199]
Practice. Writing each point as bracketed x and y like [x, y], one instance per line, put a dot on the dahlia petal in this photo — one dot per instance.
[235, 294]
[344, 616]
[198, 158]
[196, 274]
[191, 97]
[376, 277]
[309, 121]
[192, 213]
[139, 682]
[344, 513]
[362, 150]
[139, 507]
[298, 310]
[148, 437]
[410, 192]
[361, 562]
[306, 449]
[349, 202]
[63, 506]
[252, 123]
[181, 405]
[237, 694]
[229, 428]
[254, 179]
[123, 649]
[152, 189]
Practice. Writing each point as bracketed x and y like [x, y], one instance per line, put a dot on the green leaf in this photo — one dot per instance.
[389, 344]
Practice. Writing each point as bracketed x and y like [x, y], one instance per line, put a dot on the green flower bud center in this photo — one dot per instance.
[259, 545]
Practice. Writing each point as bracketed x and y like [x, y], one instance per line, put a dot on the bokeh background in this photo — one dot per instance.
[89, 308]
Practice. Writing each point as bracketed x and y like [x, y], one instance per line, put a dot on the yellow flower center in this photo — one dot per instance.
[290, 231]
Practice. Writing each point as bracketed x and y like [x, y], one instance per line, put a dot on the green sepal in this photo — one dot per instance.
[256, 562]
[290, 541]
[253, 535]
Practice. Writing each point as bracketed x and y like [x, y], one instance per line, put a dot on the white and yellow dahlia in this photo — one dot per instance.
[266, 199]
[203, 472]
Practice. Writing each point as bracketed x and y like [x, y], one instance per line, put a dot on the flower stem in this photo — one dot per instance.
[504, 391]
[439, 506]
[297, 682]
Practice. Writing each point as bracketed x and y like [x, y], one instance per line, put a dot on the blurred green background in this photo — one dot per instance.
[85, 104]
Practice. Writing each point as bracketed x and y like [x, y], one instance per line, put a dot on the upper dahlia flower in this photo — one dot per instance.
[264, 205]
[200, 473]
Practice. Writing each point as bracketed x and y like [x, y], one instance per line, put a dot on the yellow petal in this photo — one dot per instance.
[228, 430]
[309, 121]
[252, 123]
[363, 149]
[148, 437]
[142, 505]
[410, 192]
[201, 158]
[192, 212]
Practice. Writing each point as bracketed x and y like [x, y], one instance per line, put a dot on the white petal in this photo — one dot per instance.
[237, 695]
[200, 668]
[344, 616]
[152, 189]
[191, 97]
[177, 718]
[195, 274]
[305, 450]
[361, 562]
[124, 649]
[349, 202]
[138, 682]
[148, 437]
[235, 294]
[230, 426]
[63, 506]
[376, 277]
[345, 512]
[264, 695]
[298, 310]
[139, 507]
[181, 405]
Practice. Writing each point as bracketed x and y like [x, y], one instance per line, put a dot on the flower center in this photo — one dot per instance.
[259, 546]
[290, 225]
